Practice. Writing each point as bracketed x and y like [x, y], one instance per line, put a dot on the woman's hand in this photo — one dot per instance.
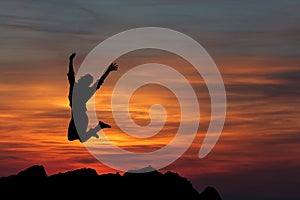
[72, 56]
[113, 67]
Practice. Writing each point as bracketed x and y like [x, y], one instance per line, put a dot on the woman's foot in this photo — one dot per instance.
[104, 125]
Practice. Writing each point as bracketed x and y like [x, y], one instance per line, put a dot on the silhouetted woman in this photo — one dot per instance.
[84, 91]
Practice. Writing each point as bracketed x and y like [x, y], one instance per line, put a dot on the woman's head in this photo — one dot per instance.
[86, 80]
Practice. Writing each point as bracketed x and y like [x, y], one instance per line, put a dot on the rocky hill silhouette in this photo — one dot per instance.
[34, 182]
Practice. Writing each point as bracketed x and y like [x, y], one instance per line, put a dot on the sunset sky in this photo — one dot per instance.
[255, 45]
